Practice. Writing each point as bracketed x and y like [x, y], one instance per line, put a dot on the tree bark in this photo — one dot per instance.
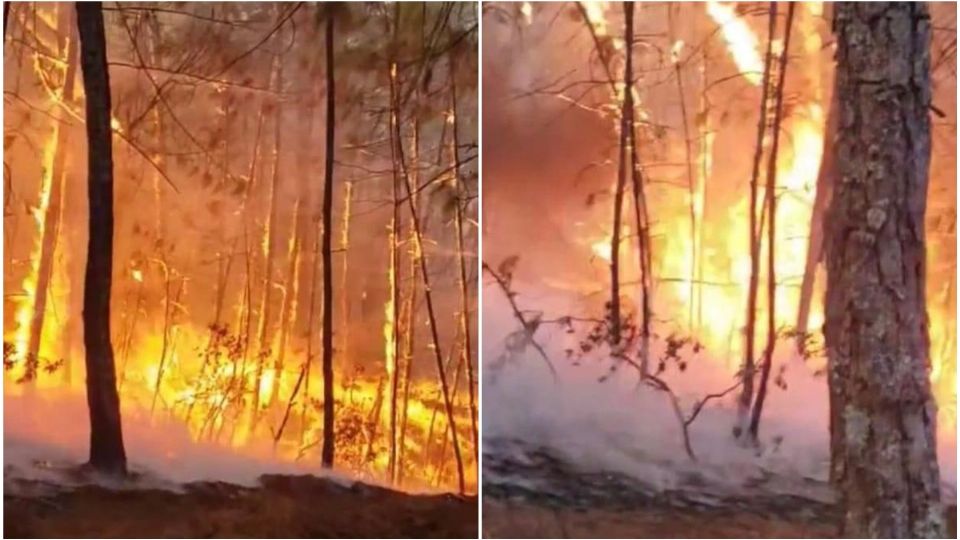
[327, 306]
[106, 435]
[876, 321]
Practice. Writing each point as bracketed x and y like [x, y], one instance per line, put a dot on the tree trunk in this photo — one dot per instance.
[106, 435]
[54, 206]
[265, 334]
[327, 453]
[771, 201]
[626, 109]
[746, 394]
[876, 321]
[826, 178]
[465, 325]
[425, 280]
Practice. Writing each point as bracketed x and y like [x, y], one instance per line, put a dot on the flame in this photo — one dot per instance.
[596, 11]
[526, 9]
[741, 41]
[723, 259]
[676, 50]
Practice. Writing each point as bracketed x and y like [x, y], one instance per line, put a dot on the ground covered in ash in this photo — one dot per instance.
[280, 506]
[530, 492]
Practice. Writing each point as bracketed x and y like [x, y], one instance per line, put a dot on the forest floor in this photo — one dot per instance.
[535, 494]
[281, 506]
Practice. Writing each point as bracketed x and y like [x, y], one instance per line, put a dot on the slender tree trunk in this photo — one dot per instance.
[876, 321]
[461, 259]
[344, 271]
[106, 435]
[328, 405]
[625, 110]
[57, 176]
[825, 182]
[746, 394]
[771, 201]
[425, 278]
[265, 332]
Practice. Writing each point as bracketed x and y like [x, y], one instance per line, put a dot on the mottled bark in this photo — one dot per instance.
[876, 321]
[106, 436]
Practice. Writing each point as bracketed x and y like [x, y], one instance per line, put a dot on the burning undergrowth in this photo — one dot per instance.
[254, 327]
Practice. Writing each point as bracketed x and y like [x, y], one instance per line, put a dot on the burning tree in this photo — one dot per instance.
[717, 270]
[235, 313]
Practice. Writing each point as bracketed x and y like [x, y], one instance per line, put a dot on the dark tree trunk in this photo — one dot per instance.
[876, 321]
[626, 124]
[106, 435]
[771, 203]
[327, 454]
[746, 393]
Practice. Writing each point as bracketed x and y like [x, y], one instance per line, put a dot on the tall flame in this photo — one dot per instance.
[741, 41]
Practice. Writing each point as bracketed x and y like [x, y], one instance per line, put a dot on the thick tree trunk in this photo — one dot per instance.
[328, 412]
[106, 434]
[876, 321]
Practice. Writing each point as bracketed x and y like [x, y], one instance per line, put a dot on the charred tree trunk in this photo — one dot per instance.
[327, 331]
[106, 434]
[771, 201]
[876, 321]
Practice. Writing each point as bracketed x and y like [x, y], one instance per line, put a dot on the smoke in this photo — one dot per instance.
[615, 424]
[46, 433]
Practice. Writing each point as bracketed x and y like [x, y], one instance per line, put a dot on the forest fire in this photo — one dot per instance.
[699, 70]
[244, 308]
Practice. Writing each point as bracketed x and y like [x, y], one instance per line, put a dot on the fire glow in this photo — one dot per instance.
[254, 393]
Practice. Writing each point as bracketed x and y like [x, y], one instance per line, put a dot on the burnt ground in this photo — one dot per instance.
[534, 494]
[281, 506]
